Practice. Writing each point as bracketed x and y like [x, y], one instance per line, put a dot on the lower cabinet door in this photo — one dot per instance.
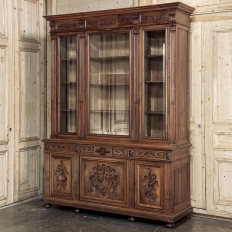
[61, 168]
[105, 180]
[150, 184]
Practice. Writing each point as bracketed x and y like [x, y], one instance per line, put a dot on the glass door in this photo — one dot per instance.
[109, 84]
[68, 84]
[154, 84]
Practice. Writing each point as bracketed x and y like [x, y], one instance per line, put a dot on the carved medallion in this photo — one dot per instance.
[104, 180]
[102, 150]
[61, 176]
[151, 184]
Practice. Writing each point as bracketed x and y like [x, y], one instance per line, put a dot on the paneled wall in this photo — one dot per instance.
[22, 40]
[211, 96]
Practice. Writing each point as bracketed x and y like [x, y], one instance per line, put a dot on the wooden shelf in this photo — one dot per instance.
[109, 111]
[154, 56]
[69, 83]
[69, 110]
[154, 112]
[154, 82]
[69, 59]
[108, 58]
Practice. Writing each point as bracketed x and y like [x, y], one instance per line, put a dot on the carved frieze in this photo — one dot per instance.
[162, 16]
[107, 21]
[87, 149]
[130, 19]
[150, 154]
[56, 147]
[119, 152]
[61, 176]
[104, 179]
[150, 185]
[102, 151]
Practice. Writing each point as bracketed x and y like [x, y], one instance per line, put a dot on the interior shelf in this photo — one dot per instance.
[154, 82]
[109, 111]
[106, 58]
[68, 110]
[68, 83]
[154, 56]
[69, 59]
[154, 112]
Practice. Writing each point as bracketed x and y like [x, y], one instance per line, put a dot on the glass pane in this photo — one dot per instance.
[68, 84]
[155, 85]
[109, 77]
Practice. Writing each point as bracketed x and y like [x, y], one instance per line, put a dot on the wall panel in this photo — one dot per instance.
[28, 20]
[29, 176]
[29, 95]
[4, 94]
[3, 175]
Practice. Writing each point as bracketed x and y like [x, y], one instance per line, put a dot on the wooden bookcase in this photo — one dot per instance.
[120, 112]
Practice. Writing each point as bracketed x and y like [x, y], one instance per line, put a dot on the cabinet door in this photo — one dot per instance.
[109, 84]
[68, 77]
[105, 180]
[61, 171]
[149, 185]
[154, 86]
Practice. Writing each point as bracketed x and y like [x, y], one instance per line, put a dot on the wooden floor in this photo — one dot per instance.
[32, 216]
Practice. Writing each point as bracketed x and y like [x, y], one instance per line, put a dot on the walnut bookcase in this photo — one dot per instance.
[120, 112]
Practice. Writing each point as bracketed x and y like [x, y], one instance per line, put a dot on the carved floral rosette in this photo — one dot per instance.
[104, 179]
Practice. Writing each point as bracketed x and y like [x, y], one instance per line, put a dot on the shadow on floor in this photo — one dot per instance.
[31, 216]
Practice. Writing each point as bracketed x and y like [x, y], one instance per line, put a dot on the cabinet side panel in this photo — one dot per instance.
[182, 83]
[181, 183]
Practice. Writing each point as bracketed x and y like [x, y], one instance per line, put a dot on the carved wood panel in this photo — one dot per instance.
[61, 175]
[149, 185]
[104, 180]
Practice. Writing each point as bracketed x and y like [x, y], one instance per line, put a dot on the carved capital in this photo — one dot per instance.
[53, 36]
[172, 15]
[172, 27]
[46, 146]
[168, 155]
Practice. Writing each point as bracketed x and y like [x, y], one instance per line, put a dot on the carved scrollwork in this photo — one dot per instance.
[87, 149]
[151, 154]
[119, 152]
[67, 25]
[104, 180]
[107, 21]
[62, 147]
[130, 19]
[102, 151]
[61, 176]
[150, 186]
[163, 16]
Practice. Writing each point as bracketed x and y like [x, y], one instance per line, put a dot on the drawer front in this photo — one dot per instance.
[104, 180]
[150, 185]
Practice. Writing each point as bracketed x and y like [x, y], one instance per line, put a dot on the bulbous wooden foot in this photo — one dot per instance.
[131, 219]
[47, 206]
[169, 225]
[76, 210]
